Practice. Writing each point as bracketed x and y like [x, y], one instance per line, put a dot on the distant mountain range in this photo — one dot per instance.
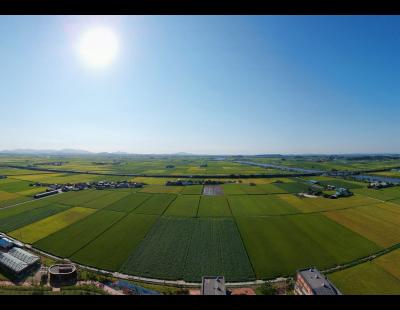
[78, 152]
[66, 152]
[46, 152]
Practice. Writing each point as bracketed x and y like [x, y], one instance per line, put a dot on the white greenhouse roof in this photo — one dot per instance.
[12, 262]
[23, 256]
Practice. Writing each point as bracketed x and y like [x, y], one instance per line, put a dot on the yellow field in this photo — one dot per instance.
[7, 196]
[38, 230]
[374, 222]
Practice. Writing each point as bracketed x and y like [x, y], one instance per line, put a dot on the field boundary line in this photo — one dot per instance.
[91, 240]
[116, 222]
[169, 204]
[243, 243]
[198, 207]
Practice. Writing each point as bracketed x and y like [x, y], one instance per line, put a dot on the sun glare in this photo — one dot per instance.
[98, 47]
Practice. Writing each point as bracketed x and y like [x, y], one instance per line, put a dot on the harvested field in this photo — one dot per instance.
[213, 190]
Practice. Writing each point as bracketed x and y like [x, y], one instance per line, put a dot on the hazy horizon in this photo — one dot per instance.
[206, 85]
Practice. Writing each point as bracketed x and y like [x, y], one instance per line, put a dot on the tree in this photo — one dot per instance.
[267, 289]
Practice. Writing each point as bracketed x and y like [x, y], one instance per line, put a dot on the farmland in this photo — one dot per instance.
[188, 249]
[109, 250]
[379, 276]
[326, 242]
[184, 205]
[81, 232]
[213, 206]
[40, 229]
[252, 229]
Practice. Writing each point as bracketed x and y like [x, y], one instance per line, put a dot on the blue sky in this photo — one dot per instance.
[203, 84]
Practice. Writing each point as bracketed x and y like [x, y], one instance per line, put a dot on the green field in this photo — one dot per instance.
[380, 194]
[38, 230]
[325, 204]
[299, 241]
[69, 240]
[380, 276]
[185, 205]
[112, 248]
[213, 206]
[128, 203]
[260, 205]
[80, 198]
[156, 204]
[23, 207]
[192, 190]
[107, 200]
[188, 249]
[162, 189]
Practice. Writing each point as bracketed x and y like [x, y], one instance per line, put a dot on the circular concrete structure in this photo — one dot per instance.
[63, 274]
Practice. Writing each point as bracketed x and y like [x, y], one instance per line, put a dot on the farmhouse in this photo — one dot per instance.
[213, 285]
[311, 282]
[343, 192]
[378, 185]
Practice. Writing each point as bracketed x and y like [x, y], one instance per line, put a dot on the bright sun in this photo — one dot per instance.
[98, 47]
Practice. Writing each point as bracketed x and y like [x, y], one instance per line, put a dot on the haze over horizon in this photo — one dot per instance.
[201, 84]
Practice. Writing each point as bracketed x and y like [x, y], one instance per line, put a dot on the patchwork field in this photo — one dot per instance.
[69, 240]
[30, 216]
[38, 230]
[248, 231]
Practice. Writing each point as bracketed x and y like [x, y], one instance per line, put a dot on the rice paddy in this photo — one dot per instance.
[253, 229]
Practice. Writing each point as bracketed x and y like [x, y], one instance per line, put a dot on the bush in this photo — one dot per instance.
[267, 289]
